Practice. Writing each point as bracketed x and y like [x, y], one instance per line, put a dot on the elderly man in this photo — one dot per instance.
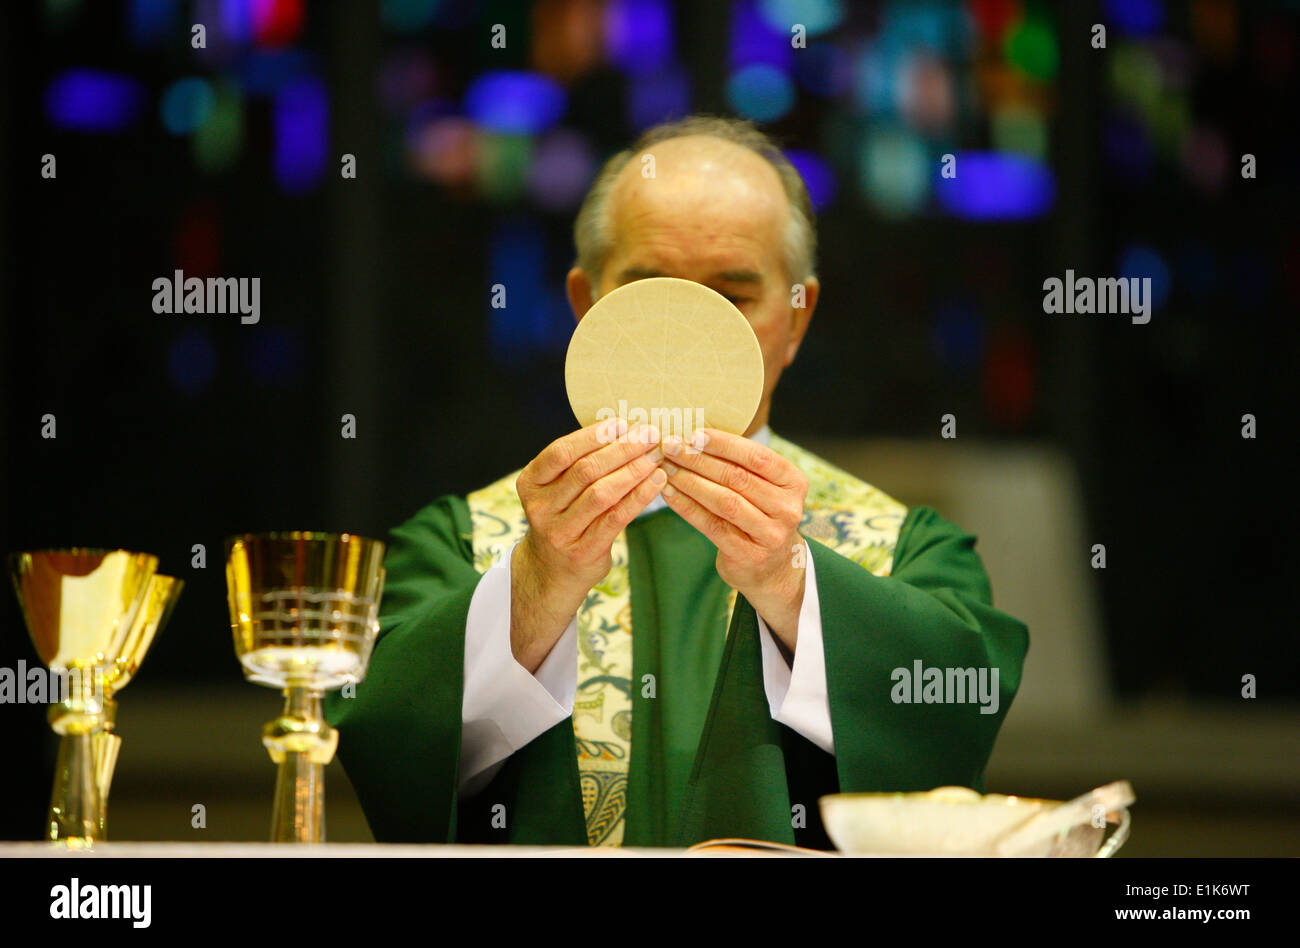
[636, 641]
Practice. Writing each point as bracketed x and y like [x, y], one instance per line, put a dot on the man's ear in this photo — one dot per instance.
[578, 285]
[802, 316]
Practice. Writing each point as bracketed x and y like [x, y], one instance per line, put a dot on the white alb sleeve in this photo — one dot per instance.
[505, 707]
[797, 697]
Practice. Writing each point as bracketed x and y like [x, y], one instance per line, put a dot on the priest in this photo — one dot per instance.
[641, 639]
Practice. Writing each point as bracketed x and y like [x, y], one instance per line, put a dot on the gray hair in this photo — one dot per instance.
[591, 230]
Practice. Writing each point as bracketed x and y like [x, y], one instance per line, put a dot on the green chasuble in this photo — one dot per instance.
[897, 587]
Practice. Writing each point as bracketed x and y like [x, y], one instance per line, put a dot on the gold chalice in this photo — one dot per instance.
[304, 610]
[92, 615]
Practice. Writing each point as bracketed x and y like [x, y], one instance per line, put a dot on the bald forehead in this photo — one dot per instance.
[707, 198]
[700, 167]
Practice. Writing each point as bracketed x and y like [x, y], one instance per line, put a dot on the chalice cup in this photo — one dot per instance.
[304, 611]
[82, 607]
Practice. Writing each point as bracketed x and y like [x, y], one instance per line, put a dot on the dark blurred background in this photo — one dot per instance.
[471, 158]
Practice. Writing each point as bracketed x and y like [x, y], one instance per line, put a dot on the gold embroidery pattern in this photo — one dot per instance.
[604, 731]
[602, 707]
[846, 514]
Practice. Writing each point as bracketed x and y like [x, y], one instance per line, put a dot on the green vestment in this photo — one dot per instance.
[707, 760]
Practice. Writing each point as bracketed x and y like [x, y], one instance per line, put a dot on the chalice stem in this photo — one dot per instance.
[299, 815]
[76, 807]
[301, 743]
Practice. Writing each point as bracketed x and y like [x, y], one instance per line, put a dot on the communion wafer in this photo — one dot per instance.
[668, 352]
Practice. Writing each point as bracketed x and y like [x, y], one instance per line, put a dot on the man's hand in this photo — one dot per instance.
[578, 494]
[749, 501]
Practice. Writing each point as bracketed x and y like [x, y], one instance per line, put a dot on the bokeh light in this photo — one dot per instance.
[815, 16]
[994, 17]
[1136, 77]
[1134, 17]
[893, 171]
[186, 104]
[656, 98]
[501, 166]
[1140, 261]
[236, 23]
[760, 92]
[301, 135]
[817, 176]
[639, 35]
[755, 42]
[878, 80]
[992, 186]
[563, 165]
[515, 103]
[444, 149]
[218, 141]
[926, 27]
[929, 99]
[567, 38]
[1017, 128]
[87, 100]
[1031, 48]
[277, 22]
[536, 319]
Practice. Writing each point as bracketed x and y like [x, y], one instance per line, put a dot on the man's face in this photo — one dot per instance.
[714, 213]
